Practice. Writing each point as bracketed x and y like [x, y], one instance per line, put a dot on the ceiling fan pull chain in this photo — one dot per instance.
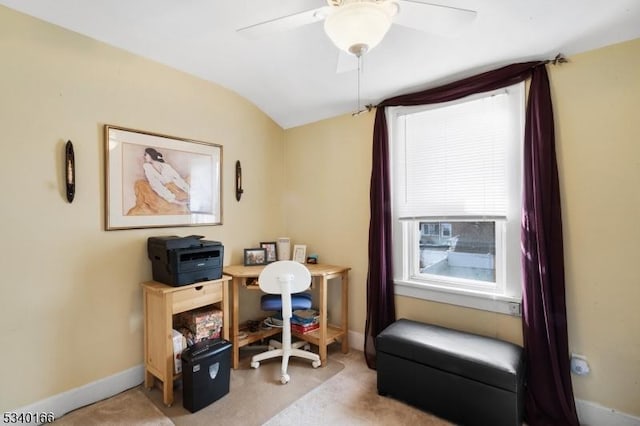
[359, 71]
[359, 109]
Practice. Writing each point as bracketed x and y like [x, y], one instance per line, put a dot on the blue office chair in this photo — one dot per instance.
[284, 281]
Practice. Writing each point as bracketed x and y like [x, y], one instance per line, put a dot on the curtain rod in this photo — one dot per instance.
[559, 59]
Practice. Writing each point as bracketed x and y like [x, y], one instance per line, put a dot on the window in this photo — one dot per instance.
[456, 189]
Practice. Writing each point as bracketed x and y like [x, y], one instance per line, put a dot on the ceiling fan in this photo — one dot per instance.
[357, 26]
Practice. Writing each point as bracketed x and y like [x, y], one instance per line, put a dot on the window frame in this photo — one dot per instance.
[505, 295]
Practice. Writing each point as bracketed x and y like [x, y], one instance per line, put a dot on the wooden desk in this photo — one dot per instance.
[323, 336]
[161, 302]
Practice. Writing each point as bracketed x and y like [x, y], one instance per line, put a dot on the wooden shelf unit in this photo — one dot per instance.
[161, 302]
[322, 275]
[334, 334]
[255, 336]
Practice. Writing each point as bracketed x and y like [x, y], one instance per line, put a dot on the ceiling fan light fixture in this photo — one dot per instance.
[358, 27]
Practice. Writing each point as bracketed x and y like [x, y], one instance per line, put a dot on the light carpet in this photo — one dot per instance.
[255, 395]
[350, 398]
[131, 407]
[342, 393]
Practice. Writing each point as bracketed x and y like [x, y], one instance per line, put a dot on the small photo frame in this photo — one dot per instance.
[300, 253]
[272, 250]
[284, 248]
[255, 256]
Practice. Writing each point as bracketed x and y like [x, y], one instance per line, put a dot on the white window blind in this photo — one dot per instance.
[454, 164]
[455, 159]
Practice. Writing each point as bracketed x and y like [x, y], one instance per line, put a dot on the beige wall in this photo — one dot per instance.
[597, 99]
[70, 300]
[328, 166]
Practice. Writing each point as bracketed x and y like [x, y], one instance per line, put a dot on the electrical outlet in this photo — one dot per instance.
[579, 365]
[515, 309]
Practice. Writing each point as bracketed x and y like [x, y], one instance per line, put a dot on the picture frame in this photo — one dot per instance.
[255, 256]
[284, 248]
[300, 253]
[272, 250]
[154, 180]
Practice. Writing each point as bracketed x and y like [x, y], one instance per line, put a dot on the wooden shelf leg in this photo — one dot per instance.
[148, 380]
[167, 392]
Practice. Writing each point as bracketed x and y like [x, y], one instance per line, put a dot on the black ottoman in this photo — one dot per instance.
[461, 377]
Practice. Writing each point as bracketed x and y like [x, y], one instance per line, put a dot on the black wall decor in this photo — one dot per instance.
[70, 171]
[239, 190]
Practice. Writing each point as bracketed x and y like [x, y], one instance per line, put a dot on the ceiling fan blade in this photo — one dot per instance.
[285, 23]
[433, 18]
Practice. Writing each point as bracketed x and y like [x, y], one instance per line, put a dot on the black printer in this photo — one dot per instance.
[179, 261]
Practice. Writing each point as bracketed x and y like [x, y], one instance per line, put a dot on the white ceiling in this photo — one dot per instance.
[291, 75]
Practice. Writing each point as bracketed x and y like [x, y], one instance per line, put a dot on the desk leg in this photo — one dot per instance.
[322, 346]
[225, 311]
[235, 330]
[345, 312]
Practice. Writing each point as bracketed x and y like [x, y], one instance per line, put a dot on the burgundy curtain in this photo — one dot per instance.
[549, 391]
[550, 396]
[381, 308]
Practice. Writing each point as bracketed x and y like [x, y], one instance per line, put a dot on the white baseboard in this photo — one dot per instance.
[592, 414]
[70, 400]
[589, 413]
[356, 341]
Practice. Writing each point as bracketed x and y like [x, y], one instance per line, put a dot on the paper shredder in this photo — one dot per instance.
[206, 370]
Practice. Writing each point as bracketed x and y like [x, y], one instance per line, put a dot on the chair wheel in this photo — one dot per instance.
[284, 379]
[255, 364]
[316, 364]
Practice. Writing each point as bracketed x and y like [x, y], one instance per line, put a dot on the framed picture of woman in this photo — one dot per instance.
[155, 180]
